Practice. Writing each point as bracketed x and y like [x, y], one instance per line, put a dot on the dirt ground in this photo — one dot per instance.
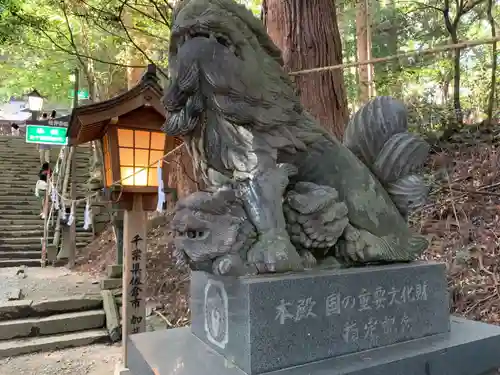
[87, 360]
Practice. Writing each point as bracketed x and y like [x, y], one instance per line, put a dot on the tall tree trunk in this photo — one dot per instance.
[134, 57]
[393, 43]
[308, 34]
[452, 27]
[494, 64]
[456, 83]
[364, 50]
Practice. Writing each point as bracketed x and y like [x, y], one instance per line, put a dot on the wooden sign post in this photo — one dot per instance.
[134, 272]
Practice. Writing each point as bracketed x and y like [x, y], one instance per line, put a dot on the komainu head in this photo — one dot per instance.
[229, 23]
[225, 72]
[209, 225]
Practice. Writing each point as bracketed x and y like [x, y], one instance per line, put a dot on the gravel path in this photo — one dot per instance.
[42, 283]
[87, 360]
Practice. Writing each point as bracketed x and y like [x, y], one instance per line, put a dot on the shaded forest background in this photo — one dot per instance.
[42, 41]
[452, 97]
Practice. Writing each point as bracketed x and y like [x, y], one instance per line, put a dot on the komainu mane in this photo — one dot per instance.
[286, 194]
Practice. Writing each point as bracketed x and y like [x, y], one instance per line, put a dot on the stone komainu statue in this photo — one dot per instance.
[285, 194]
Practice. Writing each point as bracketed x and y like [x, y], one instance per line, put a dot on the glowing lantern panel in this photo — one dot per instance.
[138, 149]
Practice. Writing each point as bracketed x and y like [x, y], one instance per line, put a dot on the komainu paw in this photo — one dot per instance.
[315, 218]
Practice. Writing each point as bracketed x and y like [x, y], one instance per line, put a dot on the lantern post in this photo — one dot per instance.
[131, 157]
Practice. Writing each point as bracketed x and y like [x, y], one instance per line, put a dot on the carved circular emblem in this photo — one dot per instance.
[216, 313]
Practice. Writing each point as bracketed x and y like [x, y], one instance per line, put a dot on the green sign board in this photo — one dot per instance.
[49, 135]
[82, 94]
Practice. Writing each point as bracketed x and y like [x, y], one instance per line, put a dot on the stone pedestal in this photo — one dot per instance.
[270, 323]
[376, 320]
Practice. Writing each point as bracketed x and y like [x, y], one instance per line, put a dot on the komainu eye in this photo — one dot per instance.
[191, 234]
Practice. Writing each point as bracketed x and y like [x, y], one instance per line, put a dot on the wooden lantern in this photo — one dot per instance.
[130, 128]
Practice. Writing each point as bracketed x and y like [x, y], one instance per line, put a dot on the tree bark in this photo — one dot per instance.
[134, 57]
[396, 70]
[308, 35]
[494, 64]
[452, 27]
[364, 51]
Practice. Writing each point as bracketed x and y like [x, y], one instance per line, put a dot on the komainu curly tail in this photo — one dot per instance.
[378, 135]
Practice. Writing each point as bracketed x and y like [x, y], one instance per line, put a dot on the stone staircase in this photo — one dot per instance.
[28, 326]
[21, 228]
[20, 224]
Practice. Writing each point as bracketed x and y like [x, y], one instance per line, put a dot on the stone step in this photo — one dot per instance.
[25, 166]
[21, 231]
[12, 230]
[12, 205]
[28, 198]
[29, 181]
[30, 178]
[17, 194]
[5, 233]
[52, 325]
[12, 348]
[34, 165]
[21, 221]
[21, 211]
[11, 162]
[36, 245]
[18, 156]
[31, 167]
[10, 157]
[30, 212]
[18, 262]
[21, 205]
[6, 241]
[23, 173]
[26, 180]
[13, 194]
[14, 154]
[19, 200]
[21, 255]
[36, 309]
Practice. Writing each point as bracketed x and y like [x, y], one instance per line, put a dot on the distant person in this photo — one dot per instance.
[53, 114]
[41, 191]
[44, 151]
[45, 170]
[14, 129]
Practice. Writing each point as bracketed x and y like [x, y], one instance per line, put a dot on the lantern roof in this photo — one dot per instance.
[89, 122]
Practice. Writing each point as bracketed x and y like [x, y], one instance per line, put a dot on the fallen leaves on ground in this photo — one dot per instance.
[167, 285]
[463, 223]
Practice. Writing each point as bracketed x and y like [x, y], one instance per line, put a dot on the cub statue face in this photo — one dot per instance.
[207, 226]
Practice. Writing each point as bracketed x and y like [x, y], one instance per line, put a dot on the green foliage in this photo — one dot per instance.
[399, 26]
[42, 41]
[48, 39]
[253, 5]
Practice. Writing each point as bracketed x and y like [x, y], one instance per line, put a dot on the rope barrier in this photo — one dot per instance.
[466, 44]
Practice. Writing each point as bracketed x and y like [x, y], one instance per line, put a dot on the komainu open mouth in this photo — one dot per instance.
[199, 32]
